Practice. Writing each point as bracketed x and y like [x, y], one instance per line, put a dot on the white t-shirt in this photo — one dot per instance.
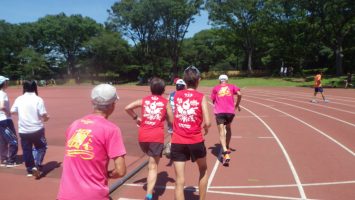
[30, 108]
[5, 99]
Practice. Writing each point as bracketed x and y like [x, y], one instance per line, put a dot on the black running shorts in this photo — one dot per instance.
[184, 152]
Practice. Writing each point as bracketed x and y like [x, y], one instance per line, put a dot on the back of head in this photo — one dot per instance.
[3, 80]
[103, 96]
[30, 86]
[157, 86]
[223, 78]
[192, 77]
[180, 84]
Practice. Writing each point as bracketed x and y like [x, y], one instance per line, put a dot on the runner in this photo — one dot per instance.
[191, 114]
[155, 110]
[31, 115]
[180, 85]
[90, 144]
[318, 87]
[222, 97]
[8, 138]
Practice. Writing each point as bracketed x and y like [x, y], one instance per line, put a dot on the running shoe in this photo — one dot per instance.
[314, 101]
[3, 163]
[226, 158]
[36, 172]
[11, 164]
[326, 101]
[29, 175]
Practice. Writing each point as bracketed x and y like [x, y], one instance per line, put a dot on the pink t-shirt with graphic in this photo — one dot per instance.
[153, 118]
[90, 143]
[222, 97]
[187, 117]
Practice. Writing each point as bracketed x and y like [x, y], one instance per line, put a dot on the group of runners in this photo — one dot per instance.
[93, 140]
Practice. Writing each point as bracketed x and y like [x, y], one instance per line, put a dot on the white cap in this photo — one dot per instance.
[180, 82]
[3, 79]
[223, 77]
[103, 94]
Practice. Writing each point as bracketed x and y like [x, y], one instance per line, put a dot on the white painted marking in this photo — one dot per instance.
[312, 127]
[284, 186]
[236, 137]
[214, 170]
[305, 102]
[293, 170]
[255, 195]
[266, 137]
[337, 119]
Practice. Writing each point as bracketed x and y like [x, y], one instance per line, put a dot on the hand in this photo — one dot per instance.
[238, 108]
[206, 130]
[138, 121]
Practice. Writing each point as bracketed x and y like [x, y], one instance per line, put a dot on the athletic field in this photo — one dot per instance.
[285, 147]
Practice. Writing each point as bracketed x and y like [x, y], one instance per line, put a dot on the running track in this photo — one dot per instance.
[286, 147]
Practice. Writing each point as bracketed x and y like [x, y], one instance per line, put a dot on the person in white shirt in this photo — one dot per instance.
[31, 115]
[8, 138]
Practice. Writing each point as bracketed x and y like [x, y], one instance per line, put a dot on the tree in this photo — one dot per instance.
[66, 35]
[239, 16]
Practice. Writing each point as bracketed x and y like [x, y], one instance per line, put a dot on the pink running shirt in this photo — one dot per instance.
[153, 118]
[222, 97]
[90, 143]
[187, 117]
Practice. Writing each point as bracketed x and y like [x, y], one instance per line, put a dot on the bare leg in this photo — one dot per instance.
[203, 179]
[322, 96]
[228, 135]
[152, 173]
[222, 136]
[180, 179]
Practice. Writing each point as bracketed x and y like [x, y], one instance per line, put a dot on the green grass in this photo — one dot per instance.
[278, 82]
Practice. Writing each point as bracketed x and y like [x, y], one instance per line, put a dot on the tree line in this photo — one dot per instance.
[144, 38]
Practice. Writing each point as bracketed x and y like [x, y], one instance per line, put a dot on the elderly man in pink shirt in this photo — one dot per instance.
[222, 97]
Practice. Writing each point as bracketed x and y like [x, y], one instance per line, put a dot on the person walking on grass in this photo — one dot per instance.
[155, 109]
[224, 108]
[318, 87]
[187, 143]
[91, 142]
[31, 117]
[180, 85]
[8, 138]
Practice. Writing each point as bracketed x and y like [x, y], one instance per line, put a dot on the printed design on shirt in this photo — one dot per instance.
[152, 110]
[80, 145]
[186, 110]
[224, 91]
[86, 121]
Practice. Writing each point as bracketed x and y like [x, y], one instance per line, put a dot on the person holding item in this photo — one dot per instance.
[155, 109]
[91, 142]
[190, 117]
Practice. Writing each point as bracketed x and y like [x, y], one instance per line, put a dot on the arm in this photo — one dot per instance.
[213, 95]
[239, 98]
[206, 115]
[45, 117]
[3, 108]
[169, 113]
[130, 110]
[120, 168]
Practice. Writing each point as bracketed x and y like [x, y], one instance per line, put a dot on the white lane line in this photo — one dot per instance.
[284, 186]
[307, 102]
[336, 119]
[305, 123]
[214, 171]
[309, 96]
[254, 195]
[292, 167]
[266, 137]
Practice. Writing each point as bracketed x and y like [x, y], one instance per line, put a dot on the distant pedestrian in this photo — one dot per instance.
[348, 80]
[285, 71]
[180, 85]
[224, 108]
[190, 117]
[155, 109]
[318, 87]
[8, 138]
[91, 142]
[31, 115]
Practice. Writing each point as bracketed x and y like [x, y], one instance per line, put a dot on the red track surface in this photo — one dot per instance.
[286, 147]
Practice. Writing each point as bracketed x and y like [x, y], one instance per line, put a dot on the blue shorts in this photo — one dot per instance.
[318, 89]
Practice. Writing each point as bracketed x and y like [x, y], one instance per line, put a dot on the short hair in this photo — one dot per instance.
[30, 86]
[157, 86]
[191, 77]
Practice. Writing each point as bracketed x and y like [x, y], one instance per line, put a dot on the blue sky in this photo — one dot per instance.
[18, 11]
